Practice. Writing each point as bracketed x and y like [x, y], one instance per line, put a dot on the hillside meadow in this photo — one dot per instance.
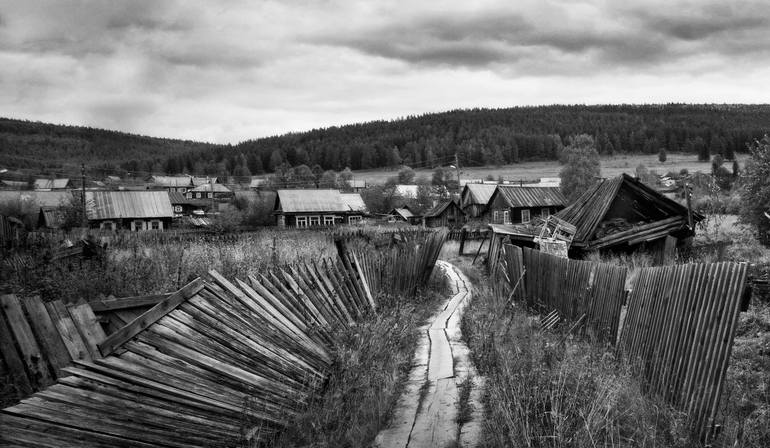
[611, 167]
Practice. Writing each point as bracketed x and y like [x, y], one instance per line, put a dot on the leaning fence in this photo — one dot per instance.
[217, 363]
[679, 326]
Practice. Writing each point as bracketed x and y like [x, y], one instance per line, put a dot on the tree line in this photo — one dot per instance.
[478, 137]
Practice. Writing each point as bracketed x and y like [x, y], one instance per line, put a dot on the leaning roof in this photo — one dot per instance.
[516, 196]
[128, 204]
[299, 201]
[588, 211]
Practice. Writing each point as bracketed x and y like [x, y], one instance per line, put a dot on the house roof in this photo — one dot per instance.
[14, 183]
[51, 184]
[52, 216]
[477, 193]
[403, 212]
[516, 196]
[182, 181]
[258, 182]
[591, 207]
[354, 202]
[299, 201]
[216, 188]
[439, 209]
[128, 204]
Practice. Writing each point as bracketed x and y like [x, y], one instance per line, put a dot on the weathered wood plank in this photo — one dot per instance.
[70, 335]
[122, 303]
[50, 340]
[37, 366]
[13, 359]
[149, 317]
[88, 326]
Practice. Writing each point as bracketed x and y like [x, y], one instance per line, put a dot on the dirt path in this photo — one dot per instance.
[432, 411]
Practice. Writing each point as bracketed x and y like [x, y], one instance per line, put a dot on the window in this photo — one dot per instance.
[177, 209]
[328, 220]
[137, 225]
[156, 225]
[198, 195]
[525, 216]
[210, 195]
[496, 217]
[301, 221]
[107, 225]
[354, 219]
[506, 217]
[315, 221]
[544, 212]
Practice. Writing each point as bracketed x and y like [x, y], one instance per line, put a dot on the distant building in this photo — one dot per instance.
[512, 204]
[52, 184]
[43, 208]
[217, 192]
[445, 214]
[403, 214]
[180, 184]
[317, 208]
[129, 210]
[475, 197]
[184, 206]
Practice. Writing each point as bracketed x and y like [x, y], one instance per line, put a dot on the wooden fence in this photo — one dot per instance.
[578, 290]
[217, 363]
[38, 340]
[678, 333]
[399, 269]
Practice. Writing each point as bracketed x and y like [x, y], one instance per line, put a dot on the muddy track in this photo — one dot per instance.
[431, 411]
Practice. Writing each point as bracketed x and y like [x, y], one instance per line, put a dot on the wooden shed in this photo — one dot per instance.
[519, 205]
[622, 213]
[445, 214]
[475, 198]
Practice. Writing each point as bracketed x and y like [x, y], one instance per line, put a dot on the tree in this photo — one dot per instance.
[406, 175]
[328, 180]
[345, 178]
[581, 166]
[662, 155]
[755, 192]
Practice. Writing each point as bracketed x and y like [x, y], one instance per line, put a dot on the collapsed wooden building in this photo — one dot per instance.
[623, 214]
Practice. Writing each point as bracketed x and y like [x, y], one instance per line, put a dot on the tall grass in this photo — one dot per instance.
[371, 363]
[140, 266]
[546, 389]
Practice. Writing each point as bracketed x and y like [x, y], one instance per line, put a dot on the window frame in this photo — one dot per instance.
[156, 222]
[328, 220]
[528, 214]
[302, 220]
[314, 221]
[355, 219]
[545, 212]
[506, 217]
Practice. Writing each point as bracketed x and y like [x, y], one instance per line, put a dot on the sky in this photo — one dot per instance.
[228, 71]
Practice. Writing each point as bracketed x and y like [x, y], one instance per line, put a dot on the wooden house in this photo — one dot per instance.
[184, 206]
[129, 210]
[41, 208]
[217, 192]
[623, 214]
[317, 208]
[180, 184]
[475, 198]
[445, 214]
[519, 205]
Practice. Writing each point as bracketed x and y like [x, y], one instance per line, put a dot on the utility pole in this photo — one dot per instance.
[457, 168]
[83, 193]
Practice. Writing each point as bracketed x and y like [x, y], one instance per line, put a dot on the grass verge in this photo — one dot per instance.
[546, 389]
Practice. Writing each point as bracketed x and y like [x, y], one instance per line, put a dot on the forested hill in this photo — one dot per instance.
[478, 136]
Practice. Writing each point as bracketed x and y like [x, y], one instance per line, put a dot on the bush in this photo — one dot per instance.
[755, 193]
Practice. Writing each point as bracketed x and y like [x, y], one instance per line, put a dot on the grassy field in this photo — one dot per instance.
[611, 166]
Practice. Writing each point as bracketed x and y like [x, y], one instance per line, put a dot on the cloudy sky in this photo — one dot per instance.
[226, 71]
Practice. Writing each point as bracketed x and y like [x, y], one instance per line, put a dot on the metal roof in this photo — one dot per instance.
[51, 184]
[182, 181]
[300, 201]
[477, 194]
[591, 207]
[128, 204]
[439, 209]
[404, 212]
[354, 202]
[516, 196]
